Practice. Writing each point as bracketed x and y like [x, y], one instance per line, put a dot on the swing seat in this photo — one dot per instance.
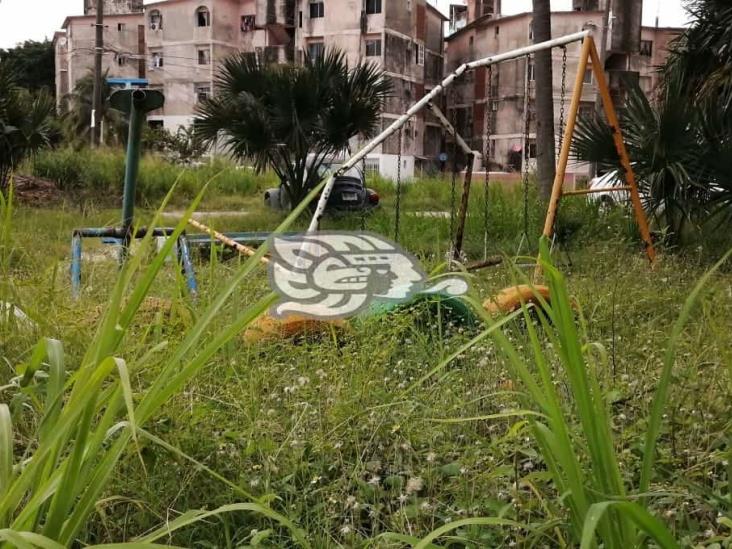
[267, 329]
[510, 299]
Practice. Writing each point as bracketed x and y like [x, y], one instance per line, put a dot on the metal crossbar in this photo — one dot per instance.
[422, 103]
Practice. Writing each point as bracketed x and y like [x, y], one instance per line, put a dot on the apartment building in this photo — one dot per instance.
[178, 45]
[406, 39]
[633, 52]
[124, 48]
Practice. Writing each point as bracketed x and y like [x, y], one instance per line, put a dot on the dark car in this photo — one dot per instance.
[349, 194]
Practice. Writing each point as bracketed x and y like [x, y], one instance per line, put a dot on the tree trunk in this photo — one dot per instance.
[545, 149]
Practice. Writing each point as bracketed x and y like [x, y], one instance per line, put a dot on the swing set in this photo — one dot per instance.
[512, 298]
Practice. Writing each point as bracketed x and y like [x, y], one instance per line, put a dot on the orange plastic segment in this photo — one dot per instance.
[510, 299]
[266, 328]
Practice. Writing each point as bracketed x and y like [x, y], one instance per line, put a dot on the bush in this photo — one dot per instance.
[100, 173]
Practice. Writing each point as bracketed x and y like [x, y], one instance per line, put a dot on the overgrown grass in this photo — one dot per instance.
[99, 175]
[407, 429]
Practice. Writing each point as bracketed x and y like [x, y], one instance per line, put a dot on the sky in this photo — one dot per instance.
[36, 19]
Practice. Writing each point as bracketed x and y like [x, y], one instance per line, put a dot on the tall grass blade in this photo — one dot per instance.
[6, 452]
[191, 517]
[664, 382]
[425, 542]
[647, 523]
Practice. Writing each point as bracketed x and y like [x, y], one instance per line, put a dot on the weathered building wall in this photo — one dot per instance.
[482, 38]
[181, 56]
[113, 7]
[406, 39]
[74, 49]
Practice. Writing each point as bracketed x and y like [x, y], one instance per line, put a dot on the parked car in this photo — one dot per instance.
[349, 193]
[608, 197]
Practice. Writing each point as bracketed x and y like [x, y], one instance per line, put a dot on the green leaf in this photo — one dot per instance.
[642, 518]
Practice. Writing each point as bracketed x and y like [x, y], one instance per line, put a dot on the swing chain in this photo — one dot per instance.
[487, 158]
[453, 193]
[363, 209]
[527, 155]
[563, 95]
[398, 189]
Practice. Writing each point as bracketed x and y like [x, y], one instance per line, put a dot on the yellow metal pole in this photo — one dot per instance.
[244, 250]
[574, 106]
[612, 119]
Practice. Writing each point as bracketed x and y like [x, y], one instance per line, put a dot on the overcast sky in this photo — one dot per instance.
[36, 19]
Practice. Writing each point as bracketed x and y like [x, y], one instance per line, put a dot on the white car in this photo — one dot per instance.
[605, 184]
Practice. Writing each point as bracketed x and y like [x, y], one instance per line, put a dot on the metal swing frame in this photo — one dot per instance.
[588, 53]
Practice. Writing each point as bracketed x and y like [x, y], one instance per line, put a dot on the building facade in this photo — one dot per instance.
[123, 56]
[406, 39]
[177, 45]
[509, 92]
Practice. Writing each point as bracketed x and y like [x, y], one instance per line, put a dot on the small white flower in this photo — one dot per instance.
[431, 457]
[414, 484]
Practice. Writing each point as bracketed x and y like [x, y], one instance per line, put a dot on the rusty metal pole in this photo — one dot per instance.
[566, 145]
[612, 119]
[457, 248]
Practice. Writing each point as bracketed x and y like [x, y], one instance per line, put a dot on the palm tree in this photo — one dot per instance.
[681, 142]
[77, 116]
[291, 118]
[25, 123]
[545, 150]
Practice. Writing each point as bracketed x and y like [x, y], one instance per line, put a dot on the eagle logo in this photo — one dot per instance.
[331, 275]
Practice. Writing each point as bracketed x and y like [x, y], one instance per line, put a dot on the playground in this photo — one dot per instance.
[578, 393]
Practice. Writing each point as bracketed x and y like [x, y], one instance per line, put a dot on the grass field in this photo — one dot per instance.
[378, 435]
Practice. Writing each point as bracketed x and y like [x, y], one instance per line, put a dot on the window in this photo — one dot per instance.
[203, 92]
[531, 31]
[300, 15]
[419, 55]
[646, 48]
[156, 20]
[316, 49]
[586, 111]
[532, 148]
[373, 48]
[317, 10]
[373, 6]
[531, 71]
[588, 76]
[156, 60]
[156, 124]
[204, 56]
[203, 17]
[121, 60]
[498, 30]
[372, 166]
[120, 27]
[248, 23]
